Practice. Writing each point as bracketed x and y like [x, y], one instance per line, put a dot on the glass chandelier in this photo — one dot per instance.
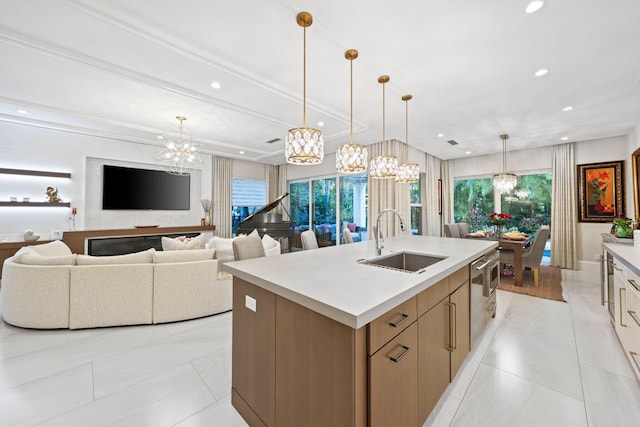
[179, 154]
[383, 166]
[407, 172]
[351, 158]
[504, 182]
[304, 146]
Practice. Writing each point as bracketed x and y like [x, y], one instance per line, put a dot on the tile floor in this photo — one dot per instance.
[540, 363]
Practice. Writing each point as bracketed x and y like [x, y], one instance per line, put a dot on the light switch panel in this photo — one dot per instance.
[250, 303]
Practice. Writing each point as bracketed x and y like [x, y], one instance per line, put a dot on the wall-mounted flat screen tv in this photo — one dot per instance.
[143, 189]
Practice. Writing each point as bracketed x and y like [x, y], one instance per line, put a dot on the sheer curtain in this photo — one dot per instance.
[222, 179]
[385, 193]
[563, 207]
[431, 217]
[447, 192]
[283, 187]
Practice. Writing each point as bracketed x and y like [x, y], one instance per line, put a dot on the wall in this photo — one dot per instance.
[39, 148]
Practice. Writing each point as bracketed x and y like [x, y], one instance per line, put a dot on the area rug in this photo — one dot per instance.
[549, 283]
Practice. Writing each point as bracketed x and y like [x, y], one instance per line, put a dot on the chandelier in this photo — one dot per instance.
[383, 166]
[407, 172]
[304, 146]
[179, 154]
[504, 182]
[351, 158]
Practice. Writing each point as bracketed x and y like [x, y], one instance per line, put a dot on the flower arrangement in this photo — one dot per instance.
[499, 219]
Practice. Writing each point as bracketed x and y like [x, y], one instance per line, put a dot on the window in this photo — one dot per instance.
[529, 203]
[473, 202]
[415, 204]
[247, 195]
[329, 205]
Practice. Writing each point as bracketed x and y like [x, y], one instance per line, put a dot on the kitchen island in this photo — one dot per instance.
[321, 339]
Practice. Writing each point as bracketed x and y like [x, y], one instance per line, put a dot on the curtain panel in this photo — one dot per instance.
[446, 172]
[430, 197]
[222, 183]
[564, 216]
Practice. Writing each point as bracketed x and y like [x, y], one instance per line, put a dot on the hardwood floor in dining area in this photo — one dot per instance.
[540, 362]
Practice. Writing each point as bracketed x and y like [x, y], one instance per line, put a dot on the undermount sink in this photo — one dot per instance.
[404, 261]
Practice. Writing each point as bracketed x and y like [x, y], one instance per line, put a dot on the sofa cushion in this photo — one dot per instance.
[224, 246]
[181, 243]
[144, 257]
[35, 258]
[271, 245]
[161, 257]
[55, 248]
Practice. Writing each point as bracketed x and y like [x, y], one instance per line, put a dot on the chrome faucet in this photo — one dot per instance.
[379, 239]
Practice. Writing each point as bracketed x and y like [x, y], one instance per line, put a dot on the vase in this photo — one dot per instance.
[499, 231]
[207, 218]
[623, 231]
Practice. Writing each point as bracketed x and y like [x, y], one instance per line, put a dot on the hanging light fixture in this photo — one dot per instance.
[407, 172]
[304, 146]
[351, 158]
[504, 182]
[179, 154]
[383, 166]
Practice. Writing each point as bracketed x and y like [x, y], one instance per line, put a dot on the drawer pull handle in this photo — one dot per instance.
[615, 267]
[399, 322]
[405, 350]
[621, 312]
[634, 316]
[634, 356]
[634, 284]
[453, 335]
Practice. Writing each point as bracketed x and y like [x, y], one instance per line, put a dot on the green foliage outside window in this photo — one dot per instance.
[473, 202]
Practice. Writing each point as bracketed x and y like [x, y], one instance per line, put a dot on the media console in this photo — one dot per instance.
[135, 238]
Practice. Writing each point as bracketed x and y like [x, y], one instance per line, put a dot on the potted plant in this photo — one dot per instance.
[622, 225]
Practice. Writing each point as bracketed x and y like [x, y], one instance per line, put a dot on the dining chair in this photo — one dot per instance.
[247, 247]
[309, 240]
[452, 230]
[531, 257]
[463, 229]
[346, 233]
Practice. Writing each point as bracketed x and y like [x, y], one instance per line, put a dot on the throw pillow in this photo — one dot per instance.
[37, 259]
[55, 248]
[271, 246]
[223, 247]
[181, 243]
[352, 227]
[144, 257]
[162, 257]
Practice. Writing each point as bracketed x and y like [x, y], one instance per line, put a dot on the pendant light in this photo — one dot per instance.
[304, 146]
[407, 172]
[383, 166]
[351, 158]
[504, 182]
[179, 154]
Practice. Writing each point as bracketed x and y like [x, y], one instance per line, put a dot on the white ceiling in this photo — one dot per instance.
[124, 69]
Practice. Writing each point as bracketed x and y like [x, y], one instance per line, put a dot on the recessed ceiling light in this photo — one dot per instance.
[541, 72]
[241, 152]
[568, 108]
[564, 138]
[440, 135]
[320, 124]
[468, 152]
[215, 85]
[534, 6]
[22, 112]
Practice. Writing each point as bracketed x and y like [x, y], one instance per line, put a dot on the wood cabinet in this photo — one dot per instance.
[393, 388]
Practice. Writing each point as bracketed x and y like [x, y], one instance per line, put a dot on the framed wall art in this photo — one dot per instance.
[600, 191]
[635, 167]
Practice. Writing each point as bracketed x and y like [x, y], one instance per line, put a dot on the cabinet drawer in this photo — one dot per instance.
[393, 378]
[390, 324]
[458, 278]
[631, 342]
[428, 298]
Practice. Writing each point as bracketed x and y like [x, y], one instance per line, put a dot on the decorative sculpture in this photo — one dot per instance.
[29, 236]
[52, 195]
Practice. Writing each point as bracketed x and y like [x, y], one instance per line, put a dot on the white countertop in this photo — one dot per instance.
[629, 255]
[331, 282]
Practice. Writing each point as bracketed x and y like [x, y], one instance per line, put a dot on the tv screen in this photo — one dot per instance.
[144, 189]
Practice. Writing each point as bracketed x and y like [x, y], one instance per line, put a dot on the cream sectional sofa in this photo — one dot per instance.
[48, 287]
